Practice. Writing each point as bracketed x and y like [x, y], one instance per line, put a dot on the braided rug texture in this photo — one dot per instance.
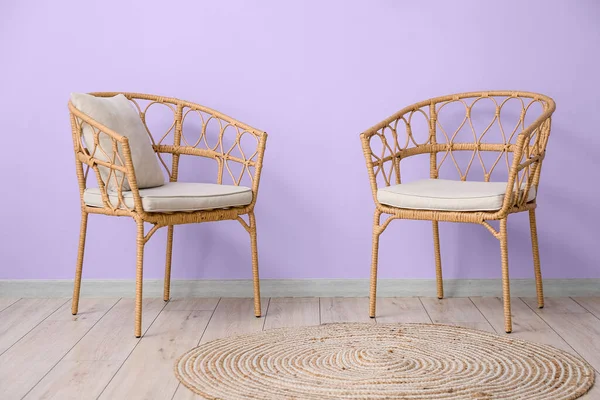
[381, 361]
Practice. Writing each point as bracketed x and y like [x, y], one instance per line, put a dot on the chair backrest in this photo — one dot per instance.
[464, 130]
[178, 128]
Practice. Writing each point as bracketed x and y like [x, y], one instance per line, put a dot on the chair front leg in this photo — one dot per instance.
[79, 266]
[139, 277]
[167, 289]
[438, 260]
[505, 279]
[255, 276]
[374, 262]
[536, 259]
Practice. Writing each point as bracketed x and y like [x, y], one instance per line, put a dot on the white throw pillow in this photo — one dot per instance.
[118, 114]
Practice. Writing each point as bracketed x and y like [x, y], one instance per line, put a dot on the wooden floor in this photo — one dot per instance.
[46, 353]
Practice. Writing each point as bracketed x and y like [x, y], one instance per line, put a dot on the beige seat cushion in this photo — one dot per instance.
[179, 196]
[118, 114]
[446, 195]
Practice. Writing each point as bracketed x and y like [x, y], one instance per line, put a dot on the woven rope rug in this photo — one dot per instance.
[380, 361]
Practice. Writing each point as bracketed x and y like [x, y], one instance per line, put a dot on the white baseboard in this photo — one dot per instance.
[299, 288]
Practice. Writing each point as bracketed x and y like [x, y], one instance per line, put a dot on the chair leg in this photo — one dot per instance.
[505, 278]
[139, 277]
[536, 259]
[374, 261]
[167, 289]
[79, 267]
[255, 277]
[438, 260]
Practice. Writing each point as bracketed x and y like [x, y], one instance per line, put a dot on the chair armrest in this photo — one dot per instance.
[223, 158]
[221, 138]
[530, 151]
[383, 162]
[110, 172]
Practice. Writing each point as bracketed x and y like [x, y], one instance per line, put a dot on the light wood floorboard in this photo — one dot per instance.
[577, 326]
[148, 372]
[192, 304]
[6, 302]
[591, 304]
[527, 325]
[401, 310]
[23, 316]
[86, 370]
[345, 309]
[234, 316]
[37, 353]
[296, 311]
[456, 311]
[50, 354]
[555, 305]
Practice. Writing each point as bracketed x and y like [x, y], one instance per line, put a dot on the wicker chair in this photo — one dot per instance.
[388, 143]
[109, 196]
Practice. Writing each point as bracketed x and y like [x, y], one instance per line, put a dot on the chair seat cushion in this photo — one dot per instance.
[179, 196]
[446, 195]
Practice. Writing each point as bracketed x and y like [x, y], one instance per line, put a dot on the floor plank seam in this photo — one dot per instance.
[134, 347]
[484, 317]
[71, 348]
[320, 323]
[199, 340]
[554, 330]
[35, 326]
[426, 312]
[11, 304]
[266, 314]
[582, 306]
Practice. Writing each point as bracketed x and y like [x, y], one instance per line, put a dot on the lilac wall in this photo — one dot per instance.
[313, 74]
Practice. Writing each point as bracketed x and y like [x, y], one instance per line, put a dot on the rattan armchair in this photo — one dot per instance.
[214, 136]
[521, 144]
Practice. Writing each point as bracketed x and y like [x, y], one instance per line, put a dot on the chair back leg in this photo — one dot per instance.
[255, 275]
[438, 260]
[79, 266]
[167, 289]
[505, 278]
[536, 259]
[374, 262]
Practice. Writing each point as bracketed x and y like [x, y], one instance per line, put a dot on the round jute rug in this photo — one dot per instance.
[381, 361]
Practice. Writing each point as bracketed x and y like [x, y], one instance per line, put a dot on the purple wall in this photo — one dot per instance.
[313, 74]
